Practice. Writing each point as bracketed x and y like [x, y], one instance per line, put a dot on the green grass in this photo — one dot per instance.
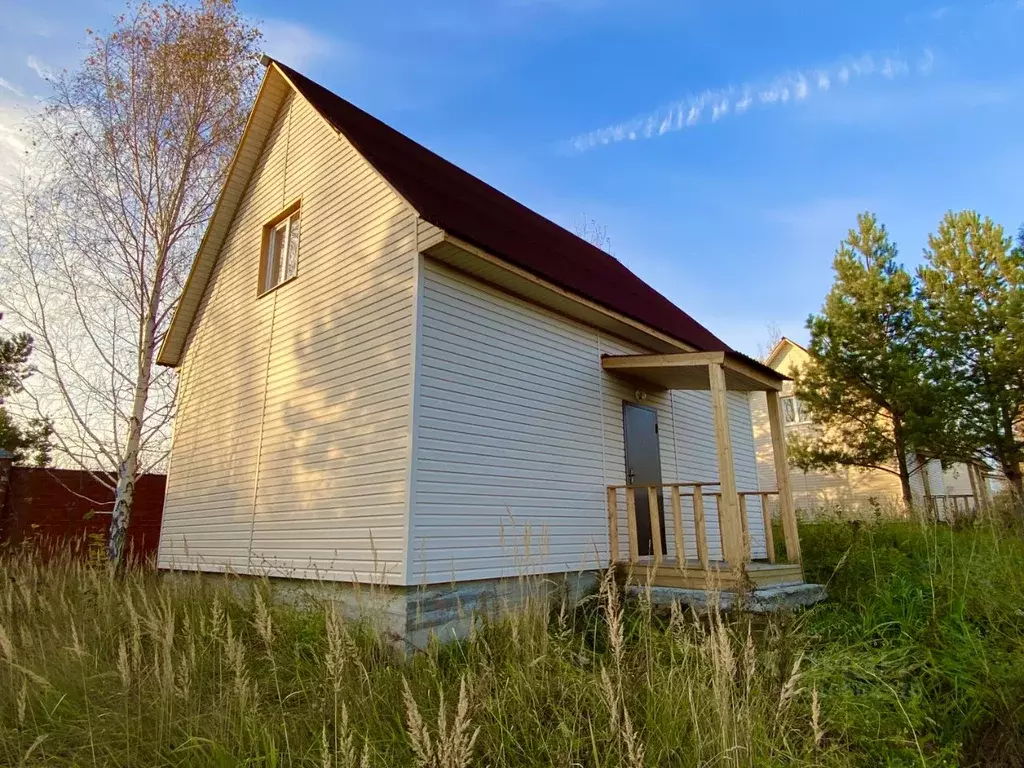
[916, 659]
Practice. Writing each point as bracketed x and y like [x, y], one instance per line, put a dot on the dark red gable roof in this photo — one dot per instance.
[463, 205]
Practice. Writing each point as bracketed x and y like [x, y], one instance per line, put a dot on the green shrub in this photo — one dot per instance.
[932, 618]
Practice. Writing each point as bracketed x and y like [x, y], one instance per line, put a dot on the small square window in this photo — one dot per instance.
[794, 411]
[280, 258]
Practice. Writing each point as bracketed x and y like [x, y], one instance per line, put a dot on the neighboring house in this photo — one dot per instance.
[940, 490]
[392, 373]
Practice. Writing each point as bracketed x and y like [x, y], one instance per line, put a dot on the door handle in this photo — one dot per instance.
[630, 476]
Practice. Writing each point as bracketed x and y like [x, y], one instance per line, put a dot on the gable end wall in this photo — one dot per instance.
[291, 448]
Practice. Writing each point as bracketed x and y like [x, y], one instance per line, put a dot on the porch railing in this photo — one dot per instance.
[698, 494]
[952, 505]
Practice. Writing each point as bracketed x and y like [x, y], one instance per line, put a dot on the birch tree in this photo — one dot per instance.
[132, 151]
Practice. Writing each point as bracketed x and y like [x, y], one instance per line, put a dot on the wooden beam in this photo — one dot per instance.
[974, 485]
[769, 533]
[654, 509]
[729, 504]
[677, 521]
[627, 363]
[922, 467]
[786, 509]
[979, 486]
[762, 575]
[699, 527]
[634, 551]
[745, 369]
[679, 360]
[613, 525]
[745, 529]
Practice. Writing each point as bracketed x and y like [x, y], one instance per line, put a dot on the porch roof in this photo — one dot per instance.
[690, 370]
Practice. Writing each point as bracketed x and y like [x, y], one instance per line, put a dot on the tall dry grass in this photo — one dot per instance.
[136, 670]
[918, 660]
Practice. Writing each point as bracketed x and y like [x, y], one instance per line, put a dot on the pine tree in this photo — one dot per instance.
[864, 386]
[972, 312]
[31, 441]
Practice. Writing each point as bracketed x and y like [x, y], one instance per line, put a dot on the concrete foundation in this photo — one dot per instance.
[763, 600]
[448, 611]
[408, 616]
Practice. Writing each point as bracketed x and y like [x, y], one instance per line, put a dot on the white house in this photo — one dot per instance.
[390, 372]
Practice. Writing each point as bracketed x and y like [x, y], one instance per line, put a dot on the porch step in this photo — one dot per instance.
[762, 600]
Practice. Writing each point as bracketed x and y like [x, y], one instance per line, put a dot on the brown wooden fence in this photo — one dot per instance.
[69, 509]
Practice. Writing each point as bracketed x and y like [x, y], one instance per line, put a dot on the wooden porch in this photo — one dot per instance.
[952, 506]
[691, 558]
[706, 535]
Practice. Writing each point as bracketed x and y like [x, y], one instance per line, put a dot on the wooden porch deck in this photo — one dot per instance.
[716, 576]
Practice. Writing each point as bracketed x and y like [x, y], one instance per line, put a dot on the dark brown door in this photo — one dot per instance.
[643, 467]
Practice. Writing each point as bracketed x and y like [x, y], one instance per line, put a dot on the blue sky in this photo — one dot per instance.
[761, 128]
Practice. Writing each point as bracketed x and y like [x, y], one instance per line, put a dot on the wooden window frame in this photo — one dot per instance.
[268, 228]
[798, 411]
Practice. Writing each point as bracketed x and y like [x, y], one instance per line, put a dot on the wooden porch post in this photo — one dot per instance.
[786, 509]
[729, 501]
[979, 486]
[974, 487]
[613, 525]
[929, 499]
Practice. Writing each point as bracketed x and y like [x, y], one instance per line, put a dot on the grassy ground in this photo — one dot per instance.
[917, 659]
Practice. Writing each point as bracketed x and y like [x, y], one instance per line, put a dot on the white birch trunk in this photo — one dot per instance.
[128, 470]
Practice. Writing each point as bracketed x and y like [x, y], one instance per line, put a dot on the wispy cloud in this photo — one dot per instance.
[716, 104]
[13, 142]
[8, 86]
[39, 67]
[298, 45]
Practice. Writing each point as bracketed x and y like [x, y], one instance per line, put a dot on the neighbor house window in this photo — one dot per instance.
[280, 259]
[794, 411]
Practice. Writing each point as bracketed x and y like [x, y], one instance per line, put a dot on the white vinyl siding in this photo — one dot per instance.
[291, 445]
[936, 479]
[519, 431]
[957, 480]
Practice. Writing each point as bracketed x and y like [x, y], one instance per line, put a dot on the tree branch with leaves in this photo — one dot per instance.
[27, 442]
[132, 152]
[865, 386]
[972, 313]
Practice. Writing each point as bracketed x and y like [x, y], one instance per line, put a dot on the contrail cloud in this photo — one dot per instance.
[715, 105]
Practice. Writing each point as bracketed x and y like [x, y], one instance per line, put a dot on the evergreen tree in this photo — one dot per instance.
[29, 442]
[864, 386]
[972, 313]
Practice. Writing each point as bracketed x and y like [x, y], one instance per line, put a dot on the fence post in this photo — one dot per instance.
[6, 462]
